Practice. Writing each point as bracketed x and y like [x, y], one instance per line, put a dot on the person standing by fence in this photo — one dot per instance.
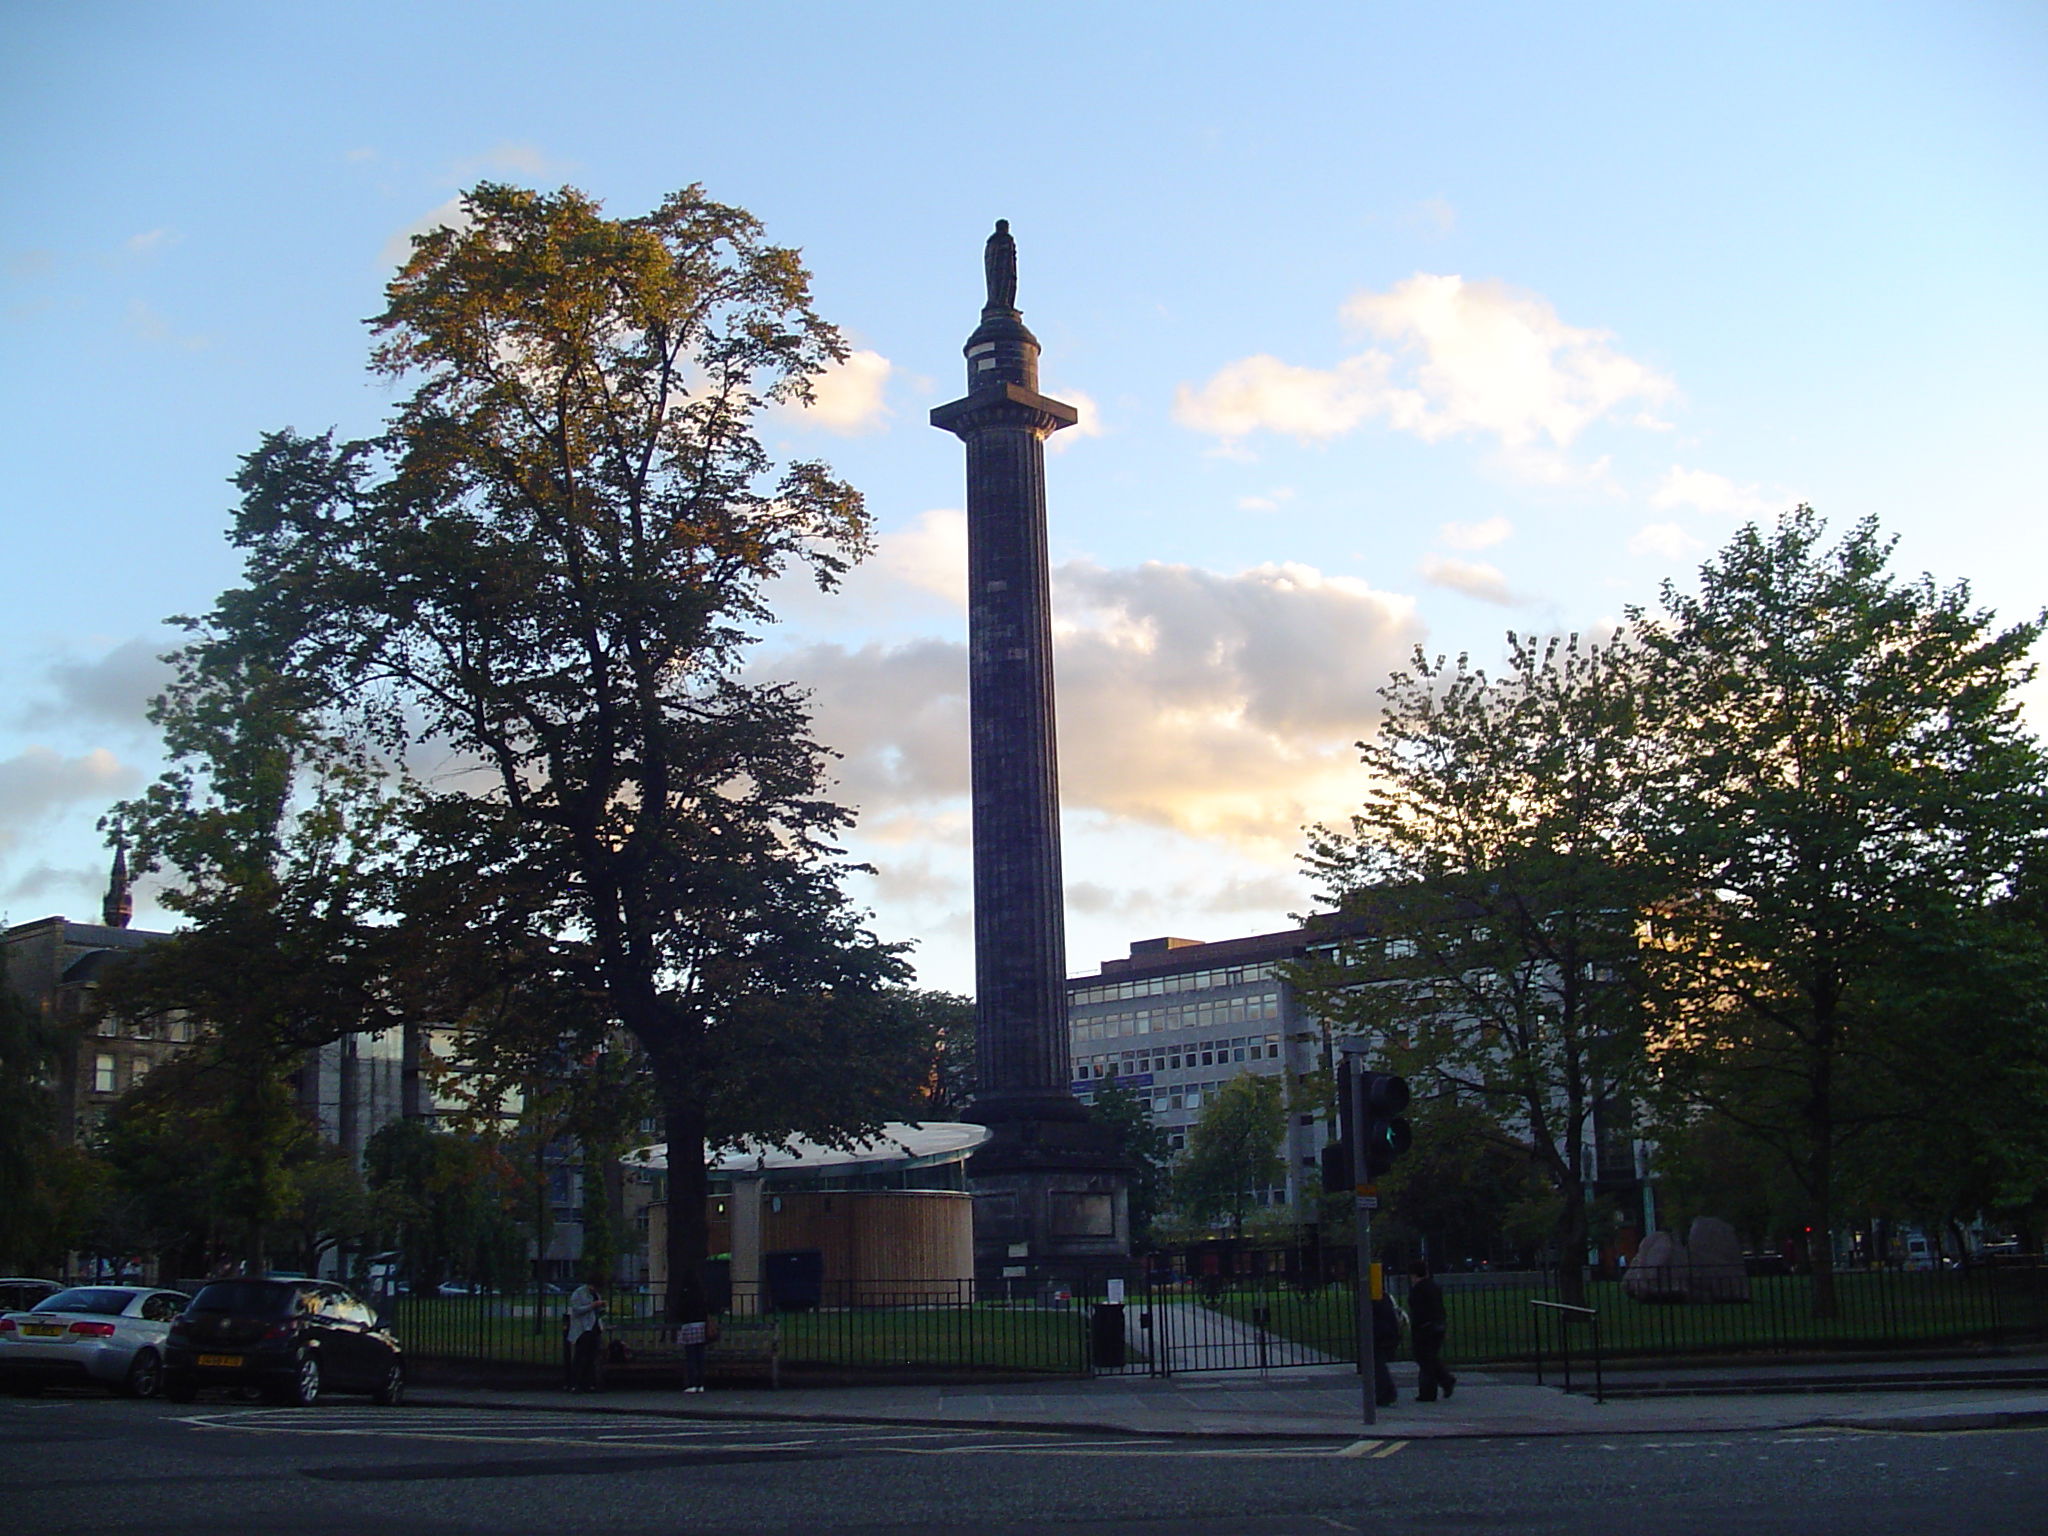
[586, 1333]
[1427, 1321]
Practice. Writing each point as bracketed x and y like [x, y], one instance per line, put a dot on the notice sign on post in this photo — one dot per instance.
[1116, 1293]
[1368, 1202]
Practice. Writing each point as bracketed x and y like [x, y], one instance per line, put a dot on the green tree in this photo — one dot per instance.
[548, 572]
[1233, 1151]
[1454, 1194]
[278, 834]
[1847, 789]
[1144, 1146]
[940, 1026]
[450, 1201]
[1487, 895]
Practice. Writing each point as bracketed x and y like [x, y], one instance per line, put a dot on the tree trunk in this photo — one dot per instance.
[689, 1187]
[1571, 1245]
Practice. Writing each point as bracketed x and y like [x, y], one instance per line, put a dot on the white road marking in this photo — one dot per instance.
[1382, 1455]
[1358, 1448]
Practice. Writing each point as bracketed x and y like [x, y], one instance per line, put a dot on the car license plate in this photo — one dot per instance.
[43, 1330]
[225, 1360]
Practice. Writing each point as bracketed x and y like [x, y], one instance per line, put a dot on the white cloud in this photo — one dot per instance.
[1472, 577]
[397, 250]
[1667, 541]
[1431, 216]
[849, 397]
[1495, 530]
[1467, 359]
[1706, 491]
[152, 326]
[1271, 501]
[148, 240]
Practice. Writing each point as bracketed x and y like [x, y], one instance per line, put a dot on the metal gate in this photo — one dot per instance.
[1221, 1309]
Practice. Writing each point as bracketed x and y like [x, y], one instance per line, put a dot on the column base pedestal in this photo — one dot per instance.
[1051, 1203]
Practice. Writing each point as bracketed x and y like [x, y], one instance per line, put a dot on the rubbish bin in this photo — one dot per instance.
[1106, 1336]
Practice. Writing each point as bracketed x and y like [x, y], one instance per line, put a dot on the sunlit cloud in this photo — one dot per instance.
[1495, 530]
[1458, 359]
[1431, 216]
[1472, 577]
[1089, 424]
[1221, 706]
[1705, 491]
[148, 240]
[849, 397]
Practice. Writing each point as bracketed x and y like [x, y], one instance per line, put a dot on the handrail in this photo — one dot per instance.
[1575, 1313]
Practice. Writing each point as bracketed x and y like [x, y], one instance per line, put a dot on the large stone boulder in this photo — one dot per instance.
[1659, 1270]
[1717, 1270]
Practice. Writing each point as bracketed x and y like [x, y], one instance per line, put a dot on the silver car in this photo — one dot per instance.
[111, 1334]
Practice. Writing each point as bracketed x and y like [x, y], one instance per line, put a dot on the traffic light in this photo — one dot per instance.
[1381, 1099]
[1369, 1106]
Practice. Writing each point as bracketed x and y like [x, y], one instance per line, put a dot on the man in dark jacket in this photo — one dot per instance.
[1426, 1319]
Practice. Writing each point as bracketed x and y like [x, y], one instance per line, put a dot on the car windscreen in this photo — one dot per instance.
[247, 1298]
[86, 1298]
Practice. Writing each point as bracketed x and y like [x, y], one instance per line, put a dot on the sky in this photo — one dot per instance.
[1390, 325]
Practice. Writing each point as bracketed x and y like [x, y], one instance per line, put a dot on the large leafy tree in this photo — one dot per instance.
[544, 579]
[1848, 791]
[51, 1188]
[1486, 897]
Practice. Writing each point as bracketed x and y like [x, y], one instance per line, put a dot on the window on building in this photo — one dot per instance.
[103, 1074]
[108, 1025]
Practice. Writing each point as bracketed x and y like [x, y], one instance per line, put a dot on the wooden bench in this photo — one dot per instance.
[750, 1347]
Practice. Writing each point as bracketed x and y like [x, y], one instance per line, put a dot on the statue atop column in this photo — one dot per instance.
[999, 259]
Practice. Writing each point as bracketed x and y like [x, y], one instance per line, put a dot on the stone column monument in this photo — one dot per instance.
[1049, 1188]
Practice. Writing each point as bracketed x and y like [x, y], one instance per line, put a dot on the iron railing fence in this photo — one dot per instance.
[1259, 1310]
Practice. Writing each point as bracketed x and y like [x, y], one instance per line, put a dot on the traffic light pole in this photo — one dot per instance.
[1368, 1346]
[1350, 1079]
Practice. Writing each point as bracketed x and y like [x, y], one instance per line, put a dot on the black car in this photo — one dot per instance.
[294, 1339]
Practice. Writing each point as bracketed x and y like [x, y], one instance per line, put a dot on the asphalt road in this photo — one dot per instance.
[79, 1463]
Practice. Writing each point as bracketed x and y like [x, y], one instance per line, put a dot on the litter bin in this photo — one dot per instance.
[1106, 1336]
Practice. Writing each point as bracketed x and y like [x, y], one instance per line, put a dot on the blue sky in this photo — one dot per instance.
[1390, 324]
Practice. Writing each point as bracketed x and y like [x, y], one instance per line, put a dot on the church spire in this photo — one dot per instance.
[119, 905]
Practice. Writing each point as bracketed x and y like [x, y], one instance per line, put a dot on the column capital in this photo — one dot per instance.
[1004, 405]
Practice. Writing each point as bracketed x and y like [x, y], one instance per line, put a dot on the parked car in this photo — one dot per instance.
[18, 1292]
[293, 1339]
[111, 1334]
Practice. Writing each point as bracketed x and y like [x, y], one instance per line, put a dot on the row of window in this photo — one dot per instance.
[1162, 1058]
[106, 1073]
[1162, 986]
[1219, 1013]
[1184, 1097]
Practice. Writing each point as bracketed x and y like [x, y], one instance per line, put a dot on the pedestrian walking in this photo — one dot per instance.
[586, 1333]
[1431, 1328]
[1386, 1338]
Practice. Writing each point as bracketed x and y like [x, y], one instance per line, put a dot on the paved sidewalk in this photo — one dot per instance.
[1324, 1402]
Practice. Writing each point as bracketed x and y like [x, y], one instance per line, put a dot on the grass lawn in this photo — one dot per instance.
[1878, 1309]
